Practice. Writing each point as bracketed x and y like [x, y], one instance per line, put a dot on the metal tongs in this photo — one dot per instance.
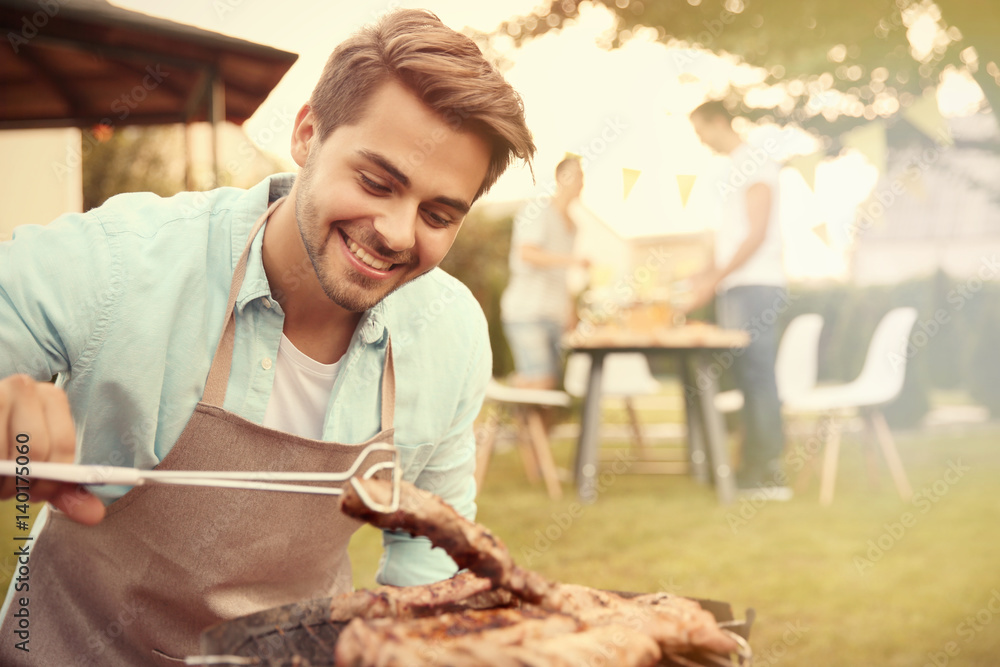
[100, 475]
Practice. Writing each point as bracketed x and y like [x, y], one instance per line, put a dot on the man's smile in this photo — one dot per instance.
[365, 257]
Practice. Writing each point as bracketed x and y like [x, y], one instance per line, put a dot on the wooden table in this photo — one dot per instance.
[701, 352]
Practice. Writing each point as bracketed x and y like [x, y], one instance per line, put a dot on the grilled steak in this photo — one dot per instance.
[557, 624]
[471, 545]
[415, 601]
[516, 637]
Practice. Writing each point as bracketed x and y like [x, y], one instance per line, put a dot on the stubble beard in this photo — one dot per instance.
[355, 293]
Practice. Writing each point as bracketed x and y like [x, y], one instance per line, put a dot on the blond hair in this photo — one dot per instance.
[444, 68]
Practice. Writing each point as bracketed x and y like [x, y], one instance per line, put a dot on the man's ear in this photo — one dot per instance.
[304, 135]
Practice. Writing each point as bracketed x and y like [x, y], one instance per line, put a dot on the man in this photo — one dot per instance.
[536, 307]
[145, 305]
[748, 282]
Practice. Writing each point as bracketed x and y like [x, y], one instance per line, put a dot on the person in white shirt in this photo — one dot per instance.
[536, 306]
[748, 282]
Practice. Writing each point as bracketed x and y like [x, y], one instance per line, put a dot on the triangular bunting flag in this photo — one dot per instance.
[806, 165]
[926, 117]
[823, 232]
[685, 183]
[629, 177]
[869, 140]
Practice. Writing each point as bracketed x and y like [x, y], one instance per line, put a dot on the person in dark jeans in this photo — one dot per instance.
[748, 281]
[747, 307]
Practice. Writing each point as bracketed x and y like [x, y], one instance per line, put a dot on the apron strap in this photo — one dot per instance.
[388, 388]
[218, 374]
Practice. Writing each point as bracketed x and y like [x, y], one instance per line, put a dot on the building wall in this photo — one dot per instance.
[41, 177]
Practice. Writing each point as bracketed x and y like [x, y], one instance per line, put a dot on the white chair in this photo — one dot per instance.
[532, 435]
[795, 366]
[879, 383]
[625, 375]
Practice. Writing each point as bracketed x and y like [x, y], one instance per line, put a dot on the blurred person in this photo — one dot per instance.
[536, 307]
[250, 330]
[747, 282]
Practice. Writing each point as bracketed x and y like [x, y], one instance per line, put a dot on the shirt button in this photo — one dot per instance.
[266, 302]
[371, 332]
[266, 364]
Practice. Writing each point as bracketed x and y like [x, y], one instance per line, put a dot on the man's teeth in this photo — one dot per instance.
[361, 254]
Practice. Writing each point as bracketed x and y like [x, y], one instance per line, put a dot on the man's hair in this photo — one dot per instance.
[713, 109]
[444, 68]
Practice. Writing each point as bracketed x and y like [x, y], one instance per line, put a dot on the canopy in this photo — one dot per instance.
[81, 63]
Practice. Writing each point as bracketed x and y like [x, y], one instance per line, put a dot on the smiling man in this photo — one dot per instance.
[282, 328]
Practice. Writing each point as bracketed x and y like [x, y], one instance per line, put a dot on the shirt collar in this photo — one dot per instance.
[251, 206]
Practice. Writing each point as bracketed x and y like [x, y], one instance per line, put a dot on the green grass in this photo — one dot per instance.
[804, 569]
[800, 566]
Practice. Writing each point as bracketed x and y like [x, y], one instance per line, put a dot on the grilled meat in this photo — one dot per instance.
[469, 544]
[415, 601]
[517, 637]
[555, 621]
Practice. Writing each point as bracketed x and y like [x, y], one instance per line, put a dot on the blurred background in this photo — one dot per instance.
[882, 113]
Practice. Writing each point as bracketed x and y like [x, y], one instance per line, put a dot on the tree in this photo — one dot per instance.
[151, 159]
[840, 63]
[132, 159]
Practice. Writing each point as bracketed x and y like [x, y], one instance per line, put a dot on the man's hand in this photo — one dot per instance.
[36, 416]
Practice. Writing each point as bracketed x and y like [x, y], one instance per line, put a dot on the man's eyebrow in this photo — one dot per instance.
[383, 162]
[457, 204]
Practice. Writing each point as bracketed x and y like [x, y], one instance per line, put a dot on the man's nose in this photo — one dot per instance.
[398, 227]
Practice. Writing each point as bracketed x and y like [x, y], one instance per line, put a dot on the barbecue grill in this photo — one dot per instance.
[301, 635]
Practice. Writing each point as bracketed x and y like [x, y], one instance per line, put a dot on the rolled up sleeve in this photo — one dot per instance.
[450, 474]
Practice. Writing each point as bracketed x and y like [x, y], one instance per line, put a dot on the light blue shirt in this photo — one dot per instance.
[125, 304]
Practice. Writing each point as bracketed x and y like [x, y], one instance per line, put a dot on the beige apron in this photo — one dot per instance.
[169, 561]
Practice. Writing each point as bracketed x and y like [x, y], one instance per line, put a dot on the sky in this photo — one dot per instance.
[621, 109]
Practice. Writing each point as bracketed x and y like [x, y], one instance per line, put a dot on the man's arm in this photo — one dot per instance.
[449, 473]
[543, 259]
[48, 279]
[758, 203]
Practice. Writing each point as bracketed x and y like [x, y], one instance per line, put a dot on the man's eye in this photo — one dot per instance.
[437, 219]
[375, 186]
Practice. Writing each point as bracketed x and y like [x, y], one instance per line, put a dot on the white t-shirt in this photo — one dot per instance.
[301, 392]
[536, 293]
[748, 167]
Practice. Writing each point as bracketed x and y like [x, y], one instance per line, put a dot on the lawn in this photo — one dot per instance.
[870, 580]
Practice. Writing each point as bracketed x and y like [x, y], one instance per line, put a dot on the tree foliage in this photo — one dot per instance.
[152, 159]
[839, 63]
[133, 159]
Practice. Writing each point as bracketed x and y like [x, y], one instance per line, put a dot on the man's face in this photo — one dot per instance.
[571, 179]
[379, 202]
[709, 130]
